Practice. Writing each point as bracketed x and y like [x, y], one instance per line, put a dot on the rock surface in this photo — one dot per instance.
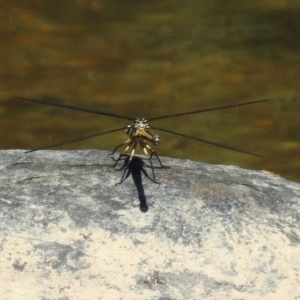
[206, 232]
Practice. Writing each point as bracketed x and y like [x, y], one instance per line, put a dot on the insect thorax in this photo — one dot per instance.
[139, 129]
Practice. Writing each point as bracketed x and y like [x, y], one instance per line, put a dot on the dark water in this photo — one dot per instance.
[150, 58]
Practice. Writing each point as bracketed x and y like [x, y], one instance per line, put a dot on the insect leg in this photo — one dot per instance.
[120, 157]
[125, 175]
[120, 145]
[124, 154]
[145, 148]
[132, 152]
[146, 174]
[153, 153]
[129, 142]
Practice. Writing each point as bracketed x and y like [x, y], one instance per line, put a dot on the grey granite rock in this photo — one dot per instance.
[206, 232]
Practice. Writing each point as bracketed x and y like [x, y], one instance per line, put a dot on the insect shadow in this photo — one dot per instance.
[139, 133]
[136, 167]
[130, 165]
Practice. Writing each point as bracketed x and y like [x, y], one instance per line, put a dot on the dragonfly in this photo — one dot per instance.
[139, 134]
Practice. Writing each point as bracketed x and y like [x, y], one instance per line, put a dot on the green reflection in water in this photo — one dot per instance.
[143, 59]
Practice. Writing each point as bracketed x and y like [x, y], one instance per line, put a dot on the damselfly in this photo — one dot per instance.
[139, 133]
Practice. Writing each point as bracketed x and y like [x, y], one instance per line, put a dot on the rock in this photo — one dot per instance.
[206, 232]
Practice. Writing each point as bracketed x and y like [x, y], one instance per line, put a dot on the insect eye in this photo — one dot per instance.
[127, 129]
[156, 139]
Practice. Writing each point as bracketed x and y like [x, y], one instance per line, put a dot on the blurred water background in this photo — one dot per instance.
[150, 58]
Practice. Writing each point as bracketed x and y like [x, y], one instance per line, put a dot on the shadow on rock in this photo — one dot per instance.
[136, 167]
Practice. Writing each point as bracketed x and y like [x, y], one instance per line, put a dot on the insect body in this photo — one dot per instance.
[139, 132]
